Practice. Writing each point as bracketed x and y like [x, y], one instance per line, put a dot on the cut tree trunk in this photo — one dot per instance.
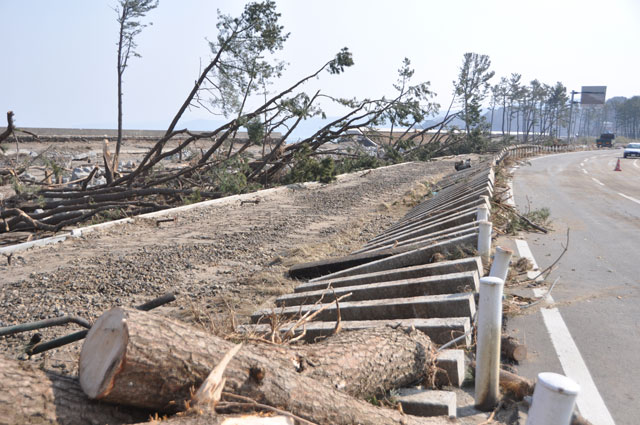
[512, 348]
[146, 360]
[215, 419]
[31, 396]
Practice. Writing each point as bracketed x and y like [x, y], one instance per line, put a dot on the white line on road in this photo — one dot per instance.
[597, 181]
[635, 163]
[582, 163]
[585, 171]
[589, 400]
[524, 251]
[586, 160]
[629, 198]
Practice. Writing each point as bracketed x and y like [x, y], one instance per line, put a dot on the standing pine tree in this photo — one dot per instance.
[471, 89]
[129, 14]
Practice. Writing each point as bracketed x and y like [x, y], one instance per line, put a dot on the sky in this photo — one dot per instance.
[58, 66]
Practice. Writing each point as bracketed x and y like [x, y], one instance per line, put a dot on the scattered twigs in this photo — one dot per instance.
[310, 315]
[544, 297]
[248, 402]
[338, 326]
[523, 218]
[493, 414]
[461, 337]
[565, 248]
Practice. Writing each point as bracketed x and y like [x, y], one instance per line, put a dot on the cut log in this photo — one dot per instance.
[30, 395]
[215, 419]
[141, 359]
[512, 349]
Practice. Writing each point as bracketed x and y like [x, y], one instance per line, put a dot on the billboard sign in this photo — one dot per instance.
[593, 95]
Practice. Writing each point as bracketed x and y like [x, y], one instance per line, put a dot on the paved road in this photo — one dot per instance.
[598, 291]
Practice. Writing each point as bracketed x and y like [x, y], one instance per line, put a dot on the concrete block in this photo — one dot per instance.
[451, 365]
[410, 258]
[421, 402]
[411, 272]
[440, 330]
[425, 307]
[431, 285]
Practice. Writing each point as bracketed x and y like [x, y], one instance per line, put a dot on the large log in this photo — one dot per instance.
[31, 396]
[141, 359]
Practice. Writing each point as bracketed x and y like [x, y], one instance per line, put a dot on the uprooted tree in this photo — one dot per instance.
[237, 71]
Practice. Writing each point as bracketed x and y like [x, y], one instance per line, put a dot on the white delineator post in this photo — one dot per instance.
[553, 400]
[484, 240]
[482, 214]
[488, 344]
[501, 261]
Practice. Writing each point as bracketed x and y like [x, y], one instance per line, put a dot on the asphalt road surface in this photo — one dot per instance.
[598, 288]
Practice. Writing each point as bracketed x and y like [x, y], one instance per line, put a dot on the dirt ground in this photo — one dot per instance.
[225, 260]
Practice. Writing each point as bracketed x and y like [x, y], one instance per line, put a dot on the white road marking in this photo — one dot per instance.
[586, 160]
[582, 163]
[629, 198]
[597, 181]
[524, 251]
[585, 171]
[589, 400]
[635, 163]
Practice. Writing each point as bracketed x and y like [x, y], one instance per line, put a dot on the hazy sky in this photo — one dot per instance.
[58, 66]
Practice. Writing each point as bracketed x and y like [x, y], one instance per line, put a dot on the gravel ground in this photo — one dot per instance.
[225, 260]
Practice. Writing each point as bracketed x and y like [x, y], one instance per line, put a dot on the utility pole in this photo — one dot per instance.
[573, 92]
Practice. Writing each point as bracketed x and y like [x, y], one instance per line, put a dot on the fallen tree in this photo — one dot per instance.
[30, 395]
[235, 72]
[145, 360]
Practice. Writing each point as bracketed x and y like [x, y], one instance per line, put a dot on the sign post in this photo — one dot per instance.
[589, 95]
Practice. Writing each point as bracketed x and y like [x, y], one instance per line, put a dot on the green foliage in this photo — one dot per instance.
[255, 130]
[471, 88]
[306, 168]
[361, 162]
[230, 177]
[129, 14]
[55, 167]
[342, 60]
[193, 198]
[241, 46]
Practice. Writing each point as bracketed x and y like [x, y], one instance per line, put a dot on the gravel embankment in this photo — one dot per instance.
[225, 260]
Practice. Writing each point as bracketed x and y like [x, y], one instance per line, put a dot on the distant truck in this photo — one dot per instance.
[605, 140]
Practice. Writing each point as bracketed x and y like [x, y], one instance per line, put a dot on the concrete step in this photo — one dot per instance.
[461, 202]
[421, 402]
[440, 330]
[412, 272]
[331, 265]
[420, 241]
[424, 307]
[440, 225]
[411, 258]
[428, 220]
[451, 368]
[432, 285]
